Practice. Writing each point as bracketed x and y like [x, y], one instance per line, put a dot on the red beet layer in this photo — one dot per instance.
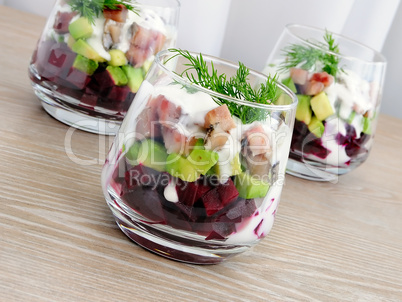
[353, 146]
[54, 64]
[206, 207]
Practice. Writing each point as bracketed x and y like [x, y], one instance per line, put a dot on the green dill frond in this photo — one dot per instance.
[91, 9]
[237, 86]
[306, 57]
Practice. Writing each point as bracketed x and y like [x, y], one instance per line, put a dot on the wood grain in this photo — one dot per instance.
[59, 242]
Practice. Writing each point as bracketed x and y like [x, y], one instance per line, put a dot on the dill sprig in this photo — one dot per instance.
[236, 86]
[306, 57]
[91, 9]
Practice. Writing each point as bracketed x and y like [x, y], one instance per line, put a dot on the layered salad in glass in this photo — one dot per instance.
[200, 158]
[93, 55]
[339, 101]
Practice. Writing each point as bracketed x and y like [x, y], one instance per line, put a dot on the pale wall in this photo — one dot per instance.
[246, 30]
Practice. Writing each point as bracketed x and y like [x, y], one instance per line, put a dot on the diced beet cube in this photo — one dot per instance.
[193, 213]
[141, 175]
[212, 202]
[78, 78]
[187, 192]
[190, 192]
[119, 93]
[220, 230]
[104, 80]
[175, 218]
[59, 62]
[65, 89]
[62, 21]
[110, 105]
[227, 192]
[127, 103]
[243, 208]
[89, 98]
[146, 202]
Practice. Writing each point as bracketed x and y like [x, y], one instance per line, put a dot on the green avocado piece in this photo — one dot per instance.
[351, 117]
[366, 125]
[147, 65]
[316, 127]
[80, 28]
[83, 48]
[149, 153]
[303, 111]
[250, 187]
[85, 65]
[118, 75]
[135, 77]
[117, 57]
[321, 106]
[133, 151]
[70, 41]
[203, 160]
[181, 167]
[283, 99]
[288, 82]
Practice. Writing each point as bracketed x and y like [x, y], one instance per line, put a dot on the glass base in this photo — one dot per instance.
[310, 171]
[69, 116]
[170, 243]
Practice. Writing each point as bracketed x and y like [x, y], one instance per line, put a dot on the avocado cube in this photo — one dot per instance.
[149, 153]
[321, 106]
[83, 48]
[288, 82]
[250, 187]
[366, 125]
[147, 65]
[135, 77]
[303, 111]
[203, 160]
[117, 57]
[80, 28]
[70, 41]
[180, 167]
[351, 117]
[133, 151]
[85, 65]
[118, 76]
[283, 99]
[316, 127]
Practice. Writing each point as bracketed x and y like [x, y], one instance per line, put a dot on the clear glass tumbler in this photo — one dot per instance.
[195, 175]
[92, 57]
[339, 83]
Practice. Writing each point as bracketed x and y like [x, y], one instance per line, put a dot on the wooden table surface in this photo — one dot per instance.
[59, 241]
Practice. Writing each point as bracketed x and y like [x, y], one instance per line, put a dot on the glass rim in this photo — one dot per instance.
[381, 58]
[145, 4]
[177, 77]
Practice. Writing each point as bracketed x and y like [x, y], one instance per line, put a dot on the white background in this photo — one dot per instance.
[246, 31]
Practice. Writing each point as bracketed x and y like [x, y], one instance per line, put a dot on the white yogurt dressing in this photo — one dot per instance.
[263, 218]
[170, 192]
[338, 155]
[96, 40]
[147, 19]
[194, 106]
